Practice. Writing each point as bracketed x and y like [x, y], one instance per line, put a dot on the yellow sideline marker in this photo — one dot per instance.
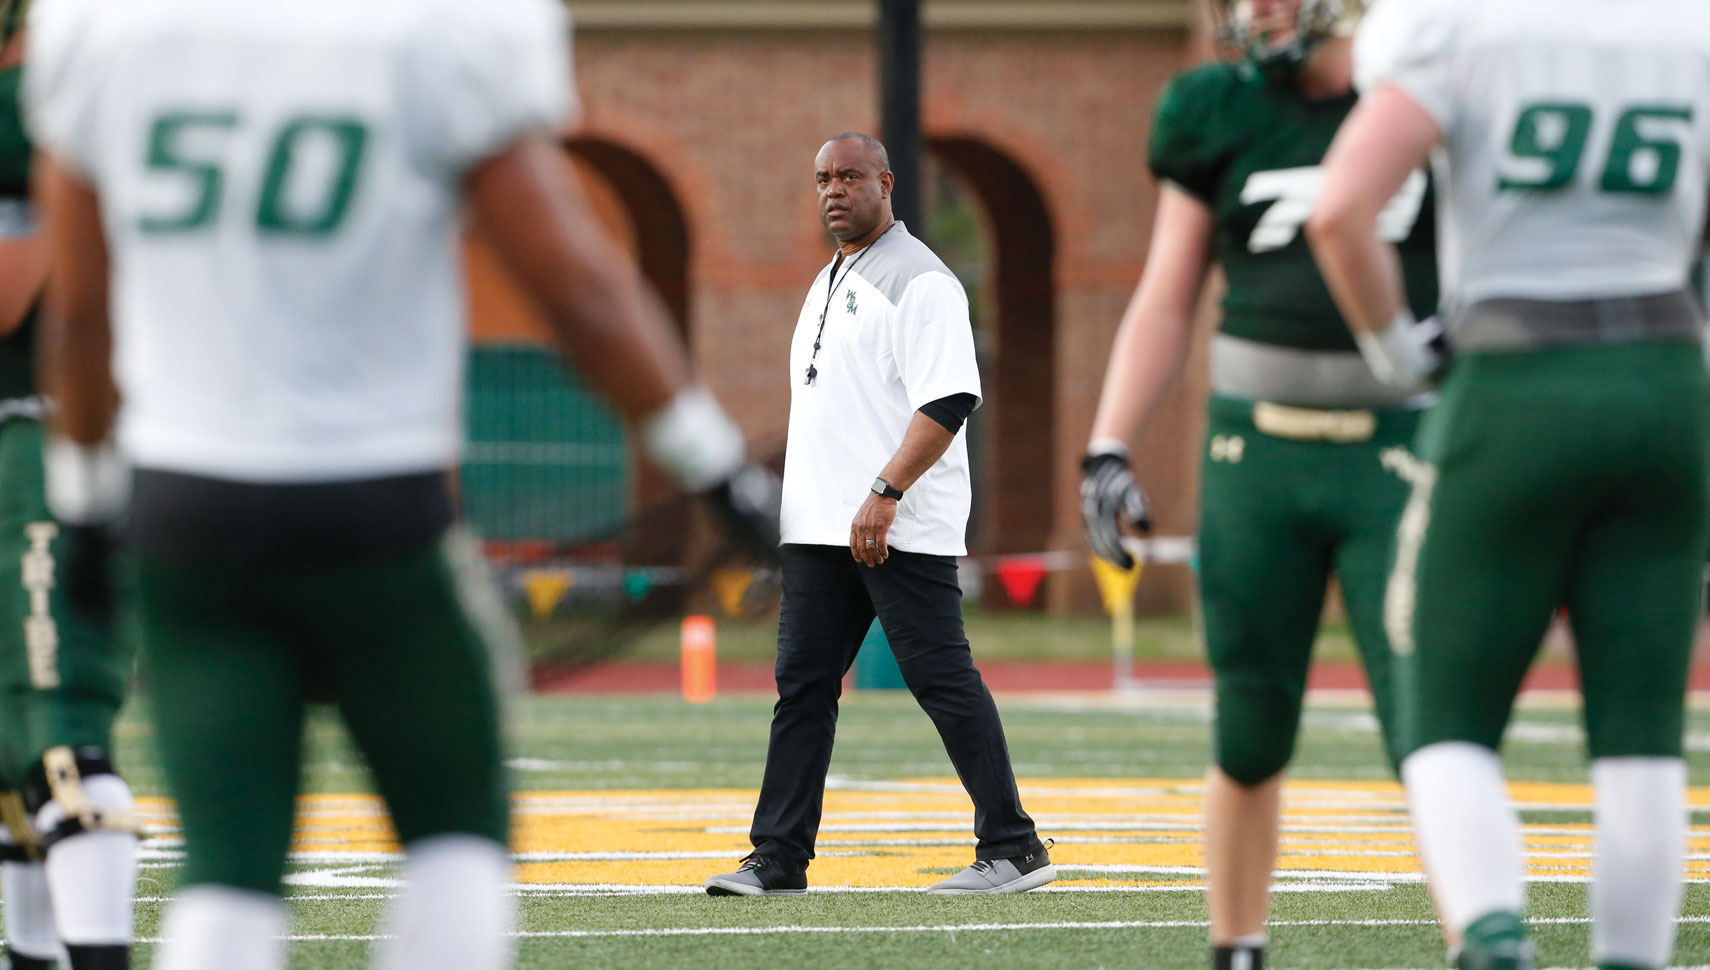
[731, 586]
[1116, 586]
[545, 588]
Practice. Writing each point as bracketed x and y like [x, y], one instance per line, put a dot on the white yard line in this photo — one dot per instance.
[950, 928]
[352, 878]
[1315, 881]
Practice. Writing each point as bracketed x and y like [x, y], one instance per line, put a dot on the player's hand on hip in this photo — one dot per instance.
[748, 503]
[869, 532]
[1109, 495]
[1408, 354]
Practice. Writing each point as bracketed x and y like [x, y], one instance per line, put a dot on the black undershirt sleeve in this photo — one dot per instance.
[950, 411]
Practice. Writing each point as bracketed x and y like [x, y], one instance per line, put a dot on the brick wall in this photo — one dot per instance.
[703, 140]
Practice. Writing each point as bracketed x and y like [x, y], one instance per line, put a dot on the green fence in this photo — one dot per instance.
[545, 458]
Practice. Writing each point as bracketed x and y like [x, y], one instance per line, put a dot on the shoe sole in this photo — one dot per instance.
[728, 887]
[1505, 962]
[1032, 880]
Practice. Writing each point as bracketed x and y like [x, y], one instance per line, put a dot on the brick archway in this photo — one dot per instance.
[659, 240]
[632, 198]
[1020, 380]
[659, 231]
[522, 407]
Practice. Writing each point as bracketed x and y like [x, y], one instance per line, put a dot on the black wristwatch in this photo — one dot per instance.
[886, 489]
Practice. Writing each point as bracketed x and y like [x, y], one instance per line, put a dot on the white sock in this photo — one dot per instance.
[1254, 941]
[1641, 848]
[29, 910]
[456, 910]
[93, 875]
[220, 928]
[1468, 834]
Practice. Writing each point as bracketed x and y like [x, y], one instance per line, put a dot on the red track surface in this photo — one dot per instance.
[1004, 676]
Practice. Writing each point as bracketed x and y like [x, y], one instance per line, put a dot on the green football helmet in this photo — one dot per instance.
[1279, 58]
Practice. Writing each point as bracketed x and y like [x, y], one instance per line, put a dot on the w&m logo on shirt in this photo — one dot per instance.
[850, 303]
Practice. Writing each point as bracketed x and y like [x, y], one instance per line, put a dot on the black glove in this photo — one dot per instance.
[748, 503]
[86, 571]
[1108, 495]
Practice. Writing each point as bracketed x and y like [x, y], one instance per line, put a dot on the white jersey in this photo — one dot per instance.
[1576, 136]
[896, 336]
[280, 185]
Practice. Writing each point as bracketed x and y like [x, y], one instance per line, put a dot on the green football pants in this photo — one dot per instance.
[1278, 517]
[1571, 477]
[404, 646]
[62, 678]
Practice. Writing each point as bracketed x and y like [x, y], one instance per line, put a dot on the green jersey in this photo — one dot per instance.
[1251, 151]
[17, 350]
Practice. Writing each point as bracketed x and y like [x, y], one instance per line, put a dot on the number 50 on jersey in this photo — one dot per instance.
[307, 178]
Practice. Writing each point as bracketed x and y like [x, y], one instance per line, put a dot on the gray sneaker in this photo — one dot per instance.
[1016, 875]
[759, 876]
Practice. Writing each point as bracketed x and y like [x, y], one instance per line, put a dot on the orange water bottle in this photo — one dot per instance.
[700, 659]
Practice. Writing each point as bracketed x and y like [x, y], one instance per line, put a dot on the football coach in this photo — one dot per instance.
[875, 512]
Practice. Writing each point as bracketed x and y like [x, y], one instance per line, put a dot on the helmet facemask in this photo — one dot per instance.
[12, 14]
[1278, 59]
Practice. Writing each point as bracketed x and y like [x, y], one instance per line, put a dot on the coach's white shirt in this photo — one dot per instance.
[896, 337]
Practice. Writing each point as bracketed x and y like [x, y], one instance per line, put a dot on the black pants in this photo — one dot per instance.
[828, 604]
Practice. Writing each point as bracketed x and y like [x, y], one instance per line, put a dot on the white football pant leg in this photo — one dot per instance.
[1641, 853]
[29, 910]
[1468, 834]
[221, 928]
[456, 910]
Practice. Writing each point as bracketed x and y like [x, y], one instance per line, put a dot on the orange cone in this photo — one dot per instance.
[700, 659]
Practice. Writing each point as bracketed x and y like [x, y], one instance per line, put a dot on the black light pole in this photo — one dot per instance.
[899, 103]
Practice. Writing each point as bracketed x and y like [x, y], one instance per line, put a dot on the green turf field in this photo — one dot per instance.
[626, 803]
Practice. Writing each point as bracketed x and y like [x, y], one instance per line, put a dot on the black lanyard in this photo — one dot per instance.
[833, 281]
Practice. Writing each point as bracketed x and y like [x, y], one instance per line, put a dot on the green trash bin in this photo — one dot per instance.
[875, 666]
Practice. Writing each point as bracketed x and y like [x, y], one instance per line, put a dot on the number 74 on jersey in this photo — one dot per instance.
[1293, 193]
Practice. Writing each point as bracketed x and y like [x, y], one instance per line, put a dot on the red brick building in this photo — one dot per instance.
[701, 122]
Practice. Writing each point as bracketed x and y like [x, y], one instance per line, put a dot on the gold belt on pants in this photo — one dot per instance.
[1311, 424]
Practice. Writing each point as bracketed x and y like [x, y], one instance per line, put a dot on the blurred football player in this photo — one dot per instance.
[1305, 448]
[270, 196]
[1566, 464]
[68, 853]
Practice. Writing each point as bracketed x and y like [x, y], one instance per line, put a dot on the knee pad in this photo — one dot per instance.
[89, 845]
[1255, 731]
[80, 793]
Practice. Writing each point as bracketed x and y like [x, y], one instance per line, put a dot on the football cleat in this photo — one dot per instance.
[1495, 941]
